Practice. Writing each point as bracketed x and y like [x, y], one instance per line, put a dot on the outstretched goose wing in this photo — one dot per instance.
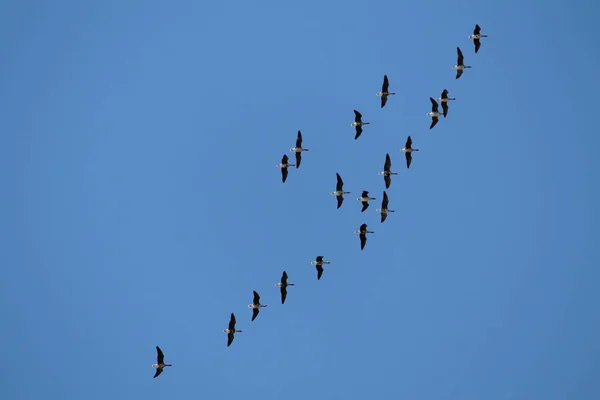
[434, 104]
[340, 183]
[359, 130]
[319, 271]
[160, 357]
[460, 57]
[388, 163]
[434, 120]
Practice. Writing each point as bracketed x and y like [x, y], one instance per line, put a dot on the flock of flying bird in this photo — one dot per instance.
[339, 191]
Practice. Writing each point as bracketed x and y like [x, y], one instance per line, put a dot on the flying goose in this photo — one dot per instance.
[298, 149]
[460, 66]
[319, 264]
[358, 123]
[384, 208]
[339, 190]
[256, 306]
[284, 167]
[444, 100]
[362, 232]
[384, 91]
[364, 199]
[476, 36]
[387, 173]
[160, 362]
[283, 284]
[231, 331]
[408, 151]
[434, 114]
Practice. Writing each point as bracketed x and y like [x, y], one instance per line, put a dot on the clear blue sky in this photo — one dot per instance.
[141, 204]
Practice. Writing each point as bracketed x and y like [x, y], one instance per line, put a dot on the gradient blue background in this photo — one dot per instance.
[141, 204]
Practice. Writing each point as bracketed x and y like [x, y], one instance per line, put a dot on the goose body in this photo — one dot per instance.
[160, 362]
[284, 167]
[256, 306]
[362, 232]
[384, 91]
[283, 284]
[384, 210]
[460, 64]
[339, 190]
[408, 150]
[319, 264]
[476, 36]
[298, 149]
[364, 199]
[358, 124]
[231, 331]
[387, 173]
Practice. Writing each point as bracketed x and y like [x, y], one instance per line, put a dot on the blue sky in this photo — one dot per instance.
[142, 205]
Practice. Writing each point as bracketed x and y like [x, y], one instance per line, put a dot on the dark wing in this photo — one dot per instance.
[158, 372]
[358, 131]
[340, 200]
[445, 94]
[434, 104]
[340, 183]
[365, 193]
[408, 143]
[256, 298]
[460, 56]
[383, 100]
[230, 337]
[284, 159]
[388, 162]
[386, 84]
[476, 30]
[383, 216]
[299, 140]
[298, 159]
[319, 271]
[388, 181]
[434, 120]
[232, 322]
[384, 202]
[160, 358]
[459, 72]
[408, 159]
[255, 312]
[363, 240]
[363, 227]
[357, 116]
[477, 44]
[283, 294]
[365, 206]
[444, 108]
[319, 258]
[284, 174]
[284, 278]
